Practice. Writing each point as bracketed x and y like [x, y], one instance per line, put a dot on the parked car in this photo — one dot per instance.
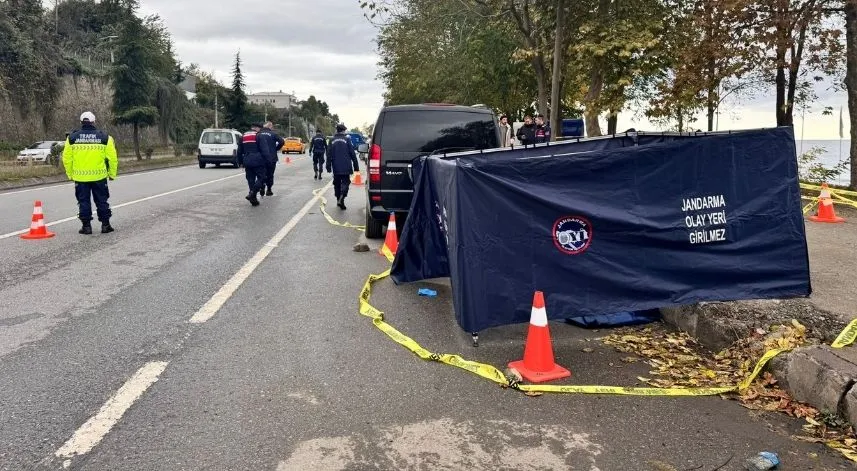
[219, 146]
[40, 152]
[405, 132]
[293, 144]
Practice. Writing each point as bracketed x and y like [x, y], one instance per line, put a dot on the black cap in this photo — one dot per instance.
[340, 127]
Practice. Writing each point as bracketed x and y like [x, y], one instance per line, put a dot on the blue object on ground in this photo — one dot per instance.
[427, 292]
[762, 462]
[618, 319]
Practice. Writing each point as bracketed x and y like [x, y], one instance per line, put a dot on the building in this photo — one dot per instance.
[276, 100]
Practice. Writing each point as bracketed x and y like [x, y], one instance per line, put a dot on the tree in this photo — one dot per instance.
[801, 43]
[132, 81]
[851, 80]
[236, 103]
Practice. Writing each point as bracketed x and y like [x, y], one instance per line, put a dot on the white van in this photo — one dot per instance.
[219, 146]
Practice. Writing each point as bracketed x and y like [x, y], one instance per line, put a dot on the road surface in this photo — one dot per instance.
[206, 334]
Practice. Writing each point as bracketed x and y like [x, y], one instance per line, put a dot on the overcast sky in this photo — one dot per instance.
[326, 48]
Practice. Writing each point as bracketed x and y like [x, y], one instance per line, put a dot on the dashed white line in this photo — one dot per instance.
[210, 308]
[91, 433]
[129, 203]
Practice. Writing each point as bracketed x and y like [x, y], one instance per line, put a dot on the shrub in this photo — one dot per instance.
[813, 170]
[149, 151]
[177, 150]
[190, 149]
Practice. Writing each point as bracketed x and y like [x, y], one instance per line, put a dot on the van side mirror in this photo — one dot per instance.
[363, 148]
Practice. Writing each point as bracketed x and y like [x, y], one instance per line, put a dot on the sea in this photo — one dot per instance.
[834, 152]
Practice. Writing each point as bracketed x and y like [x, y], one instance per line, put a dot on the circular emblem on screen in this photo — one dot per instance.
[572, 234]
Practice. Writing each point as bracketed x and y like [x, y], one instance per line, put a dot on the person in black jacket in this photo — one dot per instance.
[527, 133]
[543, 130]
[275, 142]
[255, 162]
[318, 146]
[342, 161]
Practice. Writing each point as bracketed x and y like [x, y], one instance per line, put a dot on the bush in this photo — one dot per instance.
[177, 150]
[190, 149]
[149, 151]
[813, 171]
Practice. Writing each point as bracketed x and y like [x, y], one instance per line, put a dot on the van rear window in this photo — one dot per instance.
[217, 137]
[427, 131]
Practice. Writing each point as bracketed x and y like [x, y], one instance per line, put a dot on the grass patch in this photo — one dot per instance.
[17, 173]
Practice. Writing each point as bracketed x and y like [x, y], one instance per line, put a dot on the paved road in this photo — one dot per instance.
[101, 368]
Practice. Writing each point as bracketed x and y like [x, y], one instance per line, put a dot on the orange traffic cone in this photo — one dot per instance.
[37, 226]
[538, 364]
[358, 179]
[826, 213]
[391, 243]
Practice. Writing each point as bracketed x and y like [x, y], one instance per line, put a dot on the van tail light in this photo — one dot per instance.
[375, 164]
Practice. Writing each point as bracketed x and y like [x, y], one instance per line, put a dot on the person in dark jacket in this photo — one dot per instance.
[275, 142]
[543, 130]
[255, 162]
[342, 162]
[318, 146]
[527, 133]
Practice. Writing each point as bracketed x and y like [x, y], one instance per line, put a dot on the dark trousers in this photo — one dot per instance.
[256, 177]
[99, 192]
[318, 162]
[341, 182]
[270, 168]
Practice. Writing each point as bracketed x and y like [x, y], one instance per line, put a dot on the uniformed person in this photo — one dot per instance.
[90, 159]
[275, 142]
[255, 162]
[342, 162]
[318, 146]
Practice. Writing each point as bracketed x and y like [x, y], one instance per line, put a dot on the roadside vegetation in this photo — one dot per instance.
[680, 64]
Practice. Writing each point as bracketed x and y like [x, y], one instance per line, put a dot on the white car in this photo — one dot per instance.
[219, 146]
[38, 152]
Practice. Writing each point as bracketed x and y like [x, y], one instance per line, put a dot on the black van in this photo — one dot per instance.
[405, 132]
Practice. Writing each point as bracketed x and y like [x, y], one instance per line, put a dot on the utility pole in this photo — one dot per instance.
[216, 124]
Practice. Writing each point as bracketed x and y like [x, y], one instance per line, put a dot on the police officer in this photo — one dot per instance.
[89, 158]
[255, 154]
[318, 145]
[275, 142]
[543, 130]
[342, 162]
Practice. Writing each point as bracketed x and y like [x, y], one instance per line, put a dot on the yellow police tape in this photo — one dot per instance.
[493, 374]
[835, 193]
[328, 217]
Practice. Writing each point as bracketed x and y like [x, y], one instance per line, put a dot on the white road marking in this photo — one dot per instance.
[90, 433]
[210, 308]
[129, 203]
[129, 175]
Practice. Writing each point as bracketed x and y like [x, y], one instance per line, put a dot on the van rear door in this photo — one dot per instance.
[407, 134]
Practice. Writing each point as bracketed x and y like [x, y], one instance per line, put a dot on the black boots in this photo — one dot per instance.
[252, 199]
[341, 202]
[106, 228]
[269, 192]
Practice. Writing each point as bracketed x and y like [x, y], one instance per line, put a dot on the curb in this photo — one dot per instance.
[821, 376]
[38, 181]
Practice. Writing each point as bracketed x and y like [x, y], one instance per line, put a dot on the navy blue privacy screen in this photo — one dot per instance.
[609, 225]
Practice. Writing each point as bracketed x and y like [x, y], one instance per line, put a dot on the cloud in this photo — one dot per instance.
[320, 47]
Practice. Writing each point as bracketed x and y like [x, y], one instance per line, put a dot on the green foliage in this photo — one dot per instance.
[28, 56]
[814, 171]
